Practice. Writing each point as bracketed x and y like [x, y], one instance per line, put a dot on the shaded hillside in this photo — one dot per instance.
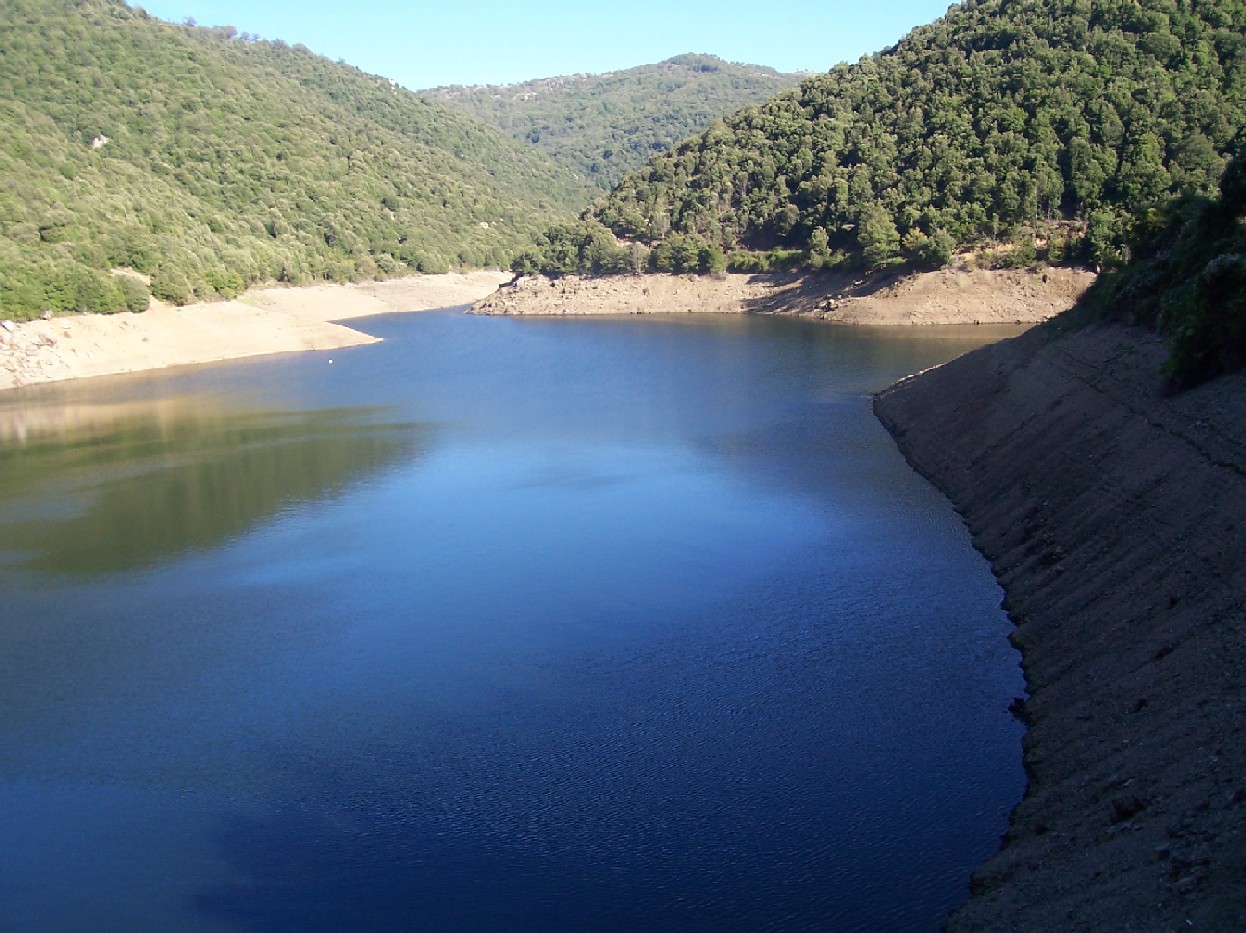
[1187, 279]
[1114, 516]
[997, 122]
[603, 126]
[209, 161]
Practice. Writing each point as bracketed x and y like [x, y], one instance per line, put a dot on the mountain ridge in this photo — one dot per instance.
[606, 124]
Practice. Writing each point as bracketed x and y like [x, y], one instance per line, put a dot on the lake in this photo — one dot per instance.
[502, 624]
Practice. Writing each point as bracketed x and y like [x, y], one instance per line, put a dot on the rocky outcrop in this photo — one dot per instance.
[1115, 519]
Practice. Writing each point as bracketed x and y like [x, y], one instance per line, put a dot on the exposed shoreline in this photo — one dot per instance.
[262, 321]
[1115, 519]
[282, 320]
[956, 295]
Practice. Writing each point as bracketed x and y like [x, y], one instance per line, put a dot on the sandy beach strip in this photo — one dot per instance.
[262, 321]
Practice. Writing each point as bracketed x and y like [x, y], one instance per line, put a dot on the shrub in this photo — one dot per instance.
[170, 285]
[135, 294]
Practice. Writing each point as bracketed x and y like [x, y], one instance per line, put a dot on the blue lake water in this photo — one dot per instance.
[576, 624]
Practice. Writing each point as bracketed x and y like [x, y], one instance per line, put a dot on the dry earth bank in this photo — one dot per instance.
[270, 320]
[277, 320]
[950, 296]
[1115, 519]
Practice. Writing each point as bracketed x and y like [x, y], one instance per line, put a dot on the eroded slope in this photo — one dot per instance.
[1115, 519]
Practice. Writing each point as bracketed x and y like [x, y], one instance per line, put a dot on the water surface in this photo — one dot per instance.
[500, 624]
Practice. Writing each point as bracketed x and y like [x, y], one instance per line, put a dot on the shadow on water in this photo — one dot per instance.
[91, 489]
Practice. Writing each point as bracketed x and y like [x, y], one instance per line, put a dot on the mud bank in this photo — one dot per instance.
[1115, 519]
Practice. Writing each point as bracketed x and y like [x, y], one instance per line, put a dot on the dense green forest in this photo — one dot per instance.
[1038, 126]
[1187, 279]
[603, 126]
[208, 160]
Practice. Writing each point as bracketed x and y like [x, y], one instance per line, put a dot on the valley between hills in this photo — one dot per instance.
[1075, 165]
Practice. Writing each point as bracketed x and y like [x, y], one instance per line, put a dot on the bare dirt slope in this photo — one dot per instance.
[1115, 519]
[951, 296]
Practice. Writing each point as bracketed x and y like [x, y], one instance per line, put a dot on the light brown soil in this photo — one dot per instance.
[951, 296]
[1115, 519]
[278, 320]
[271, 320]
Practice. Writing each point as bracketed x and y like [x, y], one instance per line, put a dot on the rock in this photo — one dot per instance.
[1122, 808]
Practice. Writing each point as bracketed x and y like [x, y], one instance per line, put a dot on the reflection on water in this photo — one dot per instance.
[100, 488]
[498, 624]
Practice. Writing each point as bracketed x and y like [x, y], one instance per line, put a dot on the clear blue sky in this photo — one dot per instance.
[423, 44]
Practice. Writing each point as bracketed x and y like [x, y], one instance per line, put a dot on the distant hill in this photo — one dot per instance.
[205, 160]
[1046, 123]
[606, 125]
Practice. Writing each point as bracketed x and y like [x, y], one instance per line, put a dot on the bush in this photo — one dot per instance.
[712, 259]
[1210, 336]
[98, 292]
[746, 261]
[1057, 248]
[1024, 254]
[134, 293]
[1187, 279]
[937, 251]
[226, 283]
[21, 299]
[433, 265]
[23, 233]
[170, 285]
[1104, 237]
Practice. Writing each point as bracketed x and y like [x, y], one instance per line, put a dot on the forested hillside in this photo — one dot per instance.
[1039, 124]
[209, 160]
[606, 125]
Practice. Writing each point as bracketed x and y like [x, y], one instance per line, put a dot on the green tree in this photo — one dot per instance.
[528, 262]
[1142, 176]
[819, 248]
[1187, 279]
[711, 259]
[1103, 238]
[879, 238]
[135, 294]
[603, 126]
